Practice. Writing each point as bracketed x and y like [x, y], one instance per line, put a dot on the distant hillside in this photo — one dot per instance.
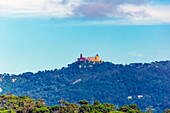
[142, 84]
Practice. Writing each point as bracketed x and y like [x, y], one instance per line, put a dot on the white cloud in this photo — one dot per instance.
[122, 13]
[58, 9]
[37, 7]
[16, 7]
[147, 12]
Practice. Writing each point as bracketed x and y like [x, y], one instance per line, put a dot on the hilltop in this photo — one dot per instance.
[144, 84]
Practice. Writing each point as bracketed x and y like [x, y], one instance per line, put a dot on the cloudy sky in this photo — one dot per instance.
[131, 11]
[46, 34]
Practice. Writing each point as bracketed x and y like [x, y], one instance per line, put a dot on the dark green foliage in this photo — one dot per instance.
[24, 104]
[106, 82]
[54, 108]
[167, 111]
[130, 109]
[83, 102]
[96, 103]
[42, 110]
[18, 104]
[97, 107]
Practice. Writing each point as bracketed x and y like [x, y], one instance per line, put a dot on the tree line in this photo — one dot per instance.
[10, 103]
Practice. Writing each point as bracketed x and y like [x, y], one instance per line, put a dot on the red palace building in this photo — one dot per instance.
[81, 58]
[93, 59]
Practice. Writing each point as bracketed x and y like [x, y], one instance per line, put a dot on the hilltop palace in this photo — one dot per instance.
[94, 59]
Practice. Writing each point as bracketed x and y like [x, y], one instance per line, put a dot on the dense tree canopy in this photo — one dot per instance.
[24, 104]
[144, 84]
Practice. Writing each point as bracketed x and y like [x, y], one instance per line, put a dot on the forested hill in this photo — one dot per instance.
[142, 84]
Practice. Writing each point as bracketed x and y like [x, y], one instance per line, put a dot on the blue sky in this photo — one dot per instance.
[42, 35]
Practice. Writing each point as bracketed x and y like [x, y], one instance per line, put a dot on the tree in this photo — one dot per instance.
[41, 110]
[83, 102]
[130, 109]
[167, 111]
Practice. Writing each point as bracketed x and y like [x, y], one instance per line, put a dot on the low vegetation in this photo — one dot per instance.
[24, 104]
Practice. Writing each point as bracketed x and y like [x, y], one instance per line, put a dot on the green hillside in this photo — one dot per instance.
[142, 84]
